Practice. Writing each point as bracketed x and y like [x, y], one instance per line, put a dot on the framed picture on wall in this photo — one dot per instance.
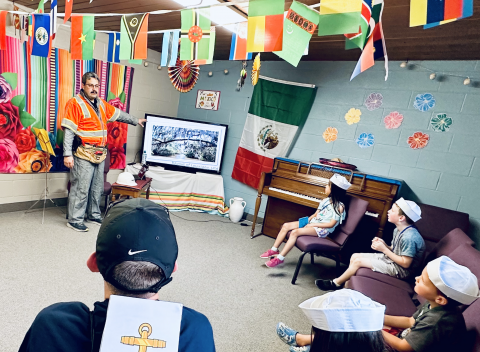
[208, 99]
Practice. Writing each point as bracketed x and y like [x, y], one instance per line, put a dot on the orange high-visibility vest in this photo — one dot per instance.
[82, 119]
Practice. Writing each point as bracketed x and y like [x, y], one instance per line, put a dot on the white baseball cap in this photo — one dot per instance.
[454, 280]
[344, 310]
[411, 209]
[340, 181]
[126, 179]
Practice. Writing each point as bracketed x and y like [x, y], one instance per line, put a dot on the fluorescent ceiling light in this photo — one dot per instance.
[221, 15]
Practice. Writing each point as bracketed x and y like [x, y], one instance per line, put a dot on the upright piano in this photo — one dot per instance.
[295, 188]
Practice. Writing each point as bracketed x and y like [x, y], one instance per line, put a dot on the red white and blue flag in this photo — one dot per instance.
[375, 47]
[53, 19]
[238, 48]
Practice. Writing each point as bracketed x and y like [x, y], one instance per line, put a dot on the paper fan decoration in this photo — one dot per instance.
[256, 69]
[183, 75]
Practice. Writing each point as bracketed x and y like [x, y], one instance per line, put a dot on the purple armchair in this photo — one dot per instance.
[331, 246]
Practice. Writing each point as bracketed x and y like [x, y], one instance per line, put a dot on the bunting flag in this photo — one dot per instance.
[375, 48]
[53, 19]
[238, 48]
[433, 13]
[63, 37]
[298, 28]
[211, 49]
[195, 35]
[40, 35]
[265, 25]
[339, 17]
[277, 109]
[16, 19]
[3, 28]
[170, 48]
[113, 54]
[68, 10]
[133, 37]
[359, 39]
[82, 37]
[41, 7]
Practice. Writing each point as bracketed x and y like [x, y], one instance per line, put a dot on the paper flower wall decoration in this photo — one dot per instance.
[441, 122]
[424, 102]
[365, 140]
[183, 75]
[393, 120]
[374, 101]
[330, 134]
[353, 116]
[418, 140]
[256, 69]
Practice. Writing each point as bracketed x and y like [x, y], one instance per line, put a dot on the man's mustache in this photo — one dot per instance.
[93, 92]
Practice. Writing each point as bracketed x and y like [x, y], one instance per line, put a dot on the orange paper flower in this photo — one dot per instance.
[353, 116]
[418, 140]
[33, 161]
[330, 134]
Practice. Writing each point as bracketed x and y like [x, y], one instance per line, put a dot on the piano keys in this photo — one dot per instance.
[295, 188]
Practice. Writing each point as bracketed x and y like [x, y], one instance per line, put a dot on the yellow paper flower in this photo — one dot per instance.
[330, 134]
[353, 116]
[256, 69]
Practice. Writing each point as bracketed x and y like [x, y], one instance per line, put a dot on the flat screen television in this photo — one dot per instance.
[184, 145]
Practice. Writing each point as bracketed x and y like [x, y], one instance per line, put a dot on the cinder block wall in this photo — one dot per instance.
[446, 173]
[152, 93]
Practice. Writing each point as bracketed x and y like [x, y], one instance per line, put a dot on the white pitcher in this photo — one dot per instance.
[236, 209]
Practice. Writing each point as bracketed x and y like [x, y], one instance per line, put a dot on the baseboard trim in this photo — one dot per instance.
[22, 206]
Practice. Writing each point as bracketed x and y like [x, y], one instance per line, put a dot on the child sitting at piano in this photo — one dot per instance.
[331, 211]
[401, 259]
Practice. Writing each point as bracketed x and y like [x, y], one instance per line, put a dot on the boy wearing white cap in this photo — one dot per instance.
[400, 260]
[331, 211]
[437, 325]
[344, 320]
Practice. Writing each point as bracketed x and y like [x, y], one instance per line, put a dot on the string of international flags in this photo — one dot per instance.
[267, 29]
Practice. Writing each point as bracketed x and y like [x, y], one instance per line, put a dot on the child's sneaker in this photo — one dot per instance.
[287, 334]
[269, 253]
[274, 262]
[299, 349]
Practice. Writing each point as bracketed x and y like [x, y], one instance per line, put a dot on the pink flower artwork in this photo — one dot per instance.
[393, 120]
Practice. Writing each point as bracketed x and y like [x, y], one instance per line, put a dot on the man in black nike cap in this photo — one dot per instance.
[136, 254]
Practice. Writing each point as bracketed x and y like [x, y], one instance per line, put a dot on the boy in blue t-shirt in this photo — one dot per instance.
[401, 259]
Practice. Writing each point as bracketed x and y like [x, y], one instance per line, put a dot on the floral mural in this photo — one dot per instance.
[353, 116]
[441, 122]
[365, 140]
[418, 140]
[374, 101]
[424, 102]
[330, 134]
[393, 120]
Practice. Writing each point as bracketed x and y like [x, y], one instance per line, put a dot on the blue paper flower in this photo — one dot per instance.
[424, 102]
[365, 140]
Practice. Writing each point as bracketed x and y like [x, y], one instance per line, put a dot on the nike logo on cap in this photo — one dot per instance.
[133, 253]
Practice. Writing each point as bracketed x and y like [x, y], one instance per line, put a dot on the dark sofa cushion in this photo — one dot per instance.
[449, 243]
[397, 301]
[436, 222]
[387, 279]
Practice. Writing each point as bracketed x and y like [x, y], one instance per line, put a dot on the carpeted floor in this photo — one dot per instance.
[220, 274]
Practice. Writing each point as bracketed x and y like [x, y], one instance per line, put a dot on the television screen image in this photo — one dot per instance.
[184, 143]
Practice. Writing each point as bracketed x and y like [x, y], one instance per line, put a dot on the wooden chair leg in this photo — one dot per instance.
[312, 258]
[297, 269]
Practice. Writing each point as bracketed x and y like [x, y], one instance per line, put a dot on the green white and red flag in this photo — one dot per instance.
[277, 110]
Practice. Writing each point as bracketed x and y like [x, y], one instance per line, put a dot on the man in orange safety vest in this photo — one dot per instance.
[85, 123]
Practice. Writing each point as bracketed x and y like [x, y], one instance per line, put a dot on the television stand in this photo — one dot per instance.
[178, 190]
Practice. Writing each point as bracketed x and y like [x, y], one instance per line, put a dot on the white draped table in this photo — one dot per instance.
[184, 191]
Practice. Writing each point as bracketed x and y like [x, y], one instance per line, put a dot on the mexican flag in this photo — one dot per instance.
[277, 109]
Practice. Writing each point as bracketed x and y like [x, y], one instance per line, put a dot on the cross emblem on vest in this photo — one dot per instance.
[143, 342]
